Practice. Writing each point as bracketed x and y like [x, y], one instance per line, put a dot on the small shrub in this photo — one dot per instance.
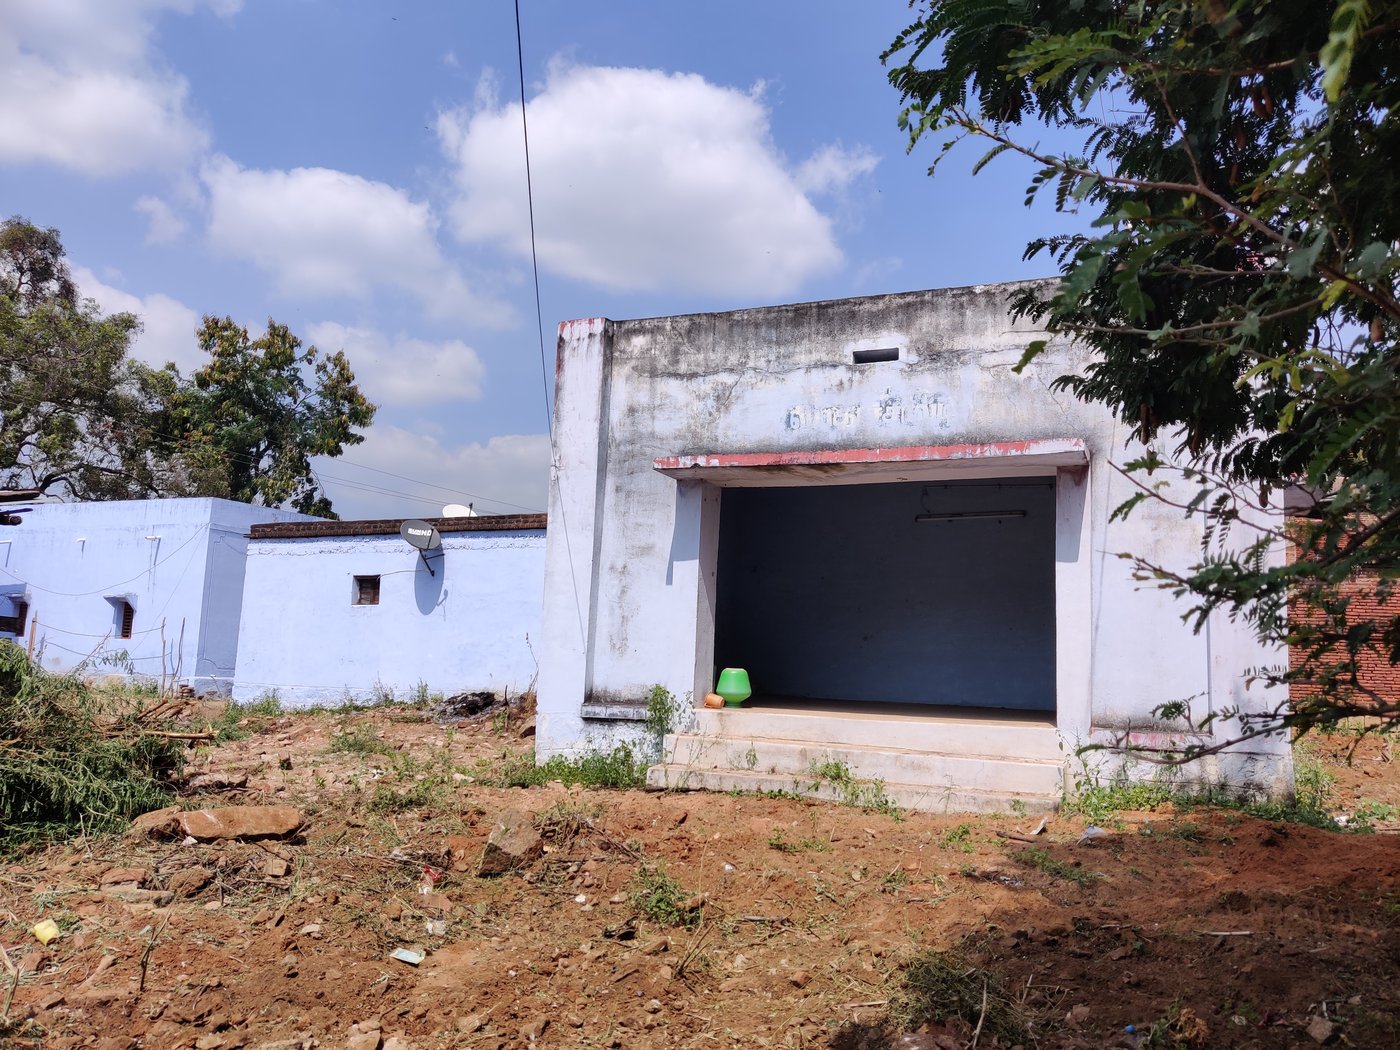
[67, 766]
[241, 720]
[864, 794]
[661, 899]
[959, 837]
[939, 986]
[422, 696]
[662, 712]
[360, 739]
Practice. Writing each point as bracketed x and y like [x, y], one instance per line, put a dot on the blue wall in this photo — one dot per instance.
[468, 626]
[836, 592]
[178, 562]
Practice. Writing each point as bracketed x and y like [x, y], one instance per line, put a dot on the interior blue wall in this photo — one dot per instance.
[836, 592]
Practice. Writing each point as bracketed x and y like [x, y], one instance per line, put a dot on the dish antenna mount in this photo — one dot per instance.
[422, 537]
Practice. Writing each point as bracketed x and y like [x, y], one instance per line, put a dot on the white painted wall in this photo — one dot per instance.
[468, 626]
[630, 566]
[177, 561]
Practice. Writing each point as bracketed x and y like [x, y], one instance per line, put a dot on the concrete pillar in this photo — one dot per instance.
[576, 477]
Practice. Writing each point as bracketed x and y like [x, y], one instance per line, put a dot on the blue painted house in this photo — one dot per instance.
[145, 589]
[341, 611]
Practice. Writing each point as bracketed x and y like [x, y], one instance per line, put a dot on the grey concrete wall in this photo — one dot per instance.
[837, 592]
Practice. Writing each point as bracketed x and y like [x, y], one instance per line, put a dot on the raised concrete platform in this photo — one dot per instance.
[940, 759]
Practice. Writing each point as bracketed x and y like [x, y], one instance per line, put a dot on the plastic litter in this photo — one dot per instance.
[405, 955]
[45, 931]
[1092, 834]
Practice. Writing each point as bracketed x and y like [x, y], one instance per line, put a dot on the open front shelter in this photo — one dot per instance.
[905, 542]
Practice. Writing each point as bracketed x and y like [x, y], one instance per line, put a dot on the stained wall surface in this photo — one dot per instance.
[471, 624]
[632, 566]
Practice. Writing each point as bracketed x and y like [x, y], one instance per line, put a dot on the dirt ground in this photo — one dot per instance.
[787, 924]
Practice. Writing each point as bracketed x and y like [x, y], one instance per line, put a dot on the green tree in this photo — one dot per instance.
[80, 418]
[1240, 167]
[252, 418]
[69, 394]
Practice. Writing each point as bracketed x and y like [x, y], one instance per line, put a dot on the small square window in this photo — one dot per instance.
[15, 624]
[366, 590]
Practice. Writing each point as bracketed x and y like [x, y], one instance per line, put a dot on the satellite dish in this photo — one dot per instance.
[420, 534]
[423, 538]
[456, 510]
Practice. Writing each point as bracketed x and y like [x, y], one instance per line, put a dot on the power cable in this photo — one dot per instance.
[558, 505]
[84, 594]
[430, 485]
[534, 256]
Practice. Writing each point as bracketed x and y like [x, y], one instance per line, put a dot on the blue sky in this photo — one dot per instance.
[354, 169]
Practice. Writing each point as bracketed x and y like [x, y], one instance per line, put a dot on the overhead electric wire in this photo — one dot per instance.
[243, 458]
[562, 527]
[534, 255]
[84, 594]
[429, 484]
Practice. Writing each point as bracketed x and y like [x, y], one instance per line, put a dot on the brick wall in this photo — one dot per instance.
[1376, 670]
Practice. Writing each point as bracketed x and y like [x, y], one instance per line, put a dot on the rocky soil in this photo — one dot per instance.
[360, 917]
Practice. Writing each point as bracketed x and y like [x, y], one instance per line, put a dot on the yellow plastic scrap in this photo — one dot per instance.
[45, 931]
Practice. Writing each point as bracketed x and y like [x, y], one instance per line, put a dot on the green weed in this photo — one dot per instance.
[241, 720]
[618, 768]
[1369, 810]
[865, 794]
[959, 837]
[943, 985]
[779, 841]
[1036, 857]
[661, 898]
[894, 880]
[359, 739]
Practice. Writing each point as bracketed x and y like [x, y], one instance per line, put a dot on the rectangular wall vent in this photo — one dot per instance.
[869, 357]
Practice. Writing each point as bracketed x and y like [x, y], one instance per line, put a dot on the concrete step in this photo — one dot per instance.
[893, 765]
[919, 797]
[941, 730]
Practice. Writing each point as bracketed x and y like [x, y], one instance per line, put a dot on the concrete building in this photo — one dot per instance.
[347, 610]
[906, 543]
[148, 589]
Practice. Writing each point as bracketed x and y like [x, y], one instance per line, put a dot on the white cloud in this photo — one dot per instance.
[404, 370]
[325, 233]
[168, 325]
[833, 168]
[164, 224]
[646, 180]
[83, 90]
[508, 474]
